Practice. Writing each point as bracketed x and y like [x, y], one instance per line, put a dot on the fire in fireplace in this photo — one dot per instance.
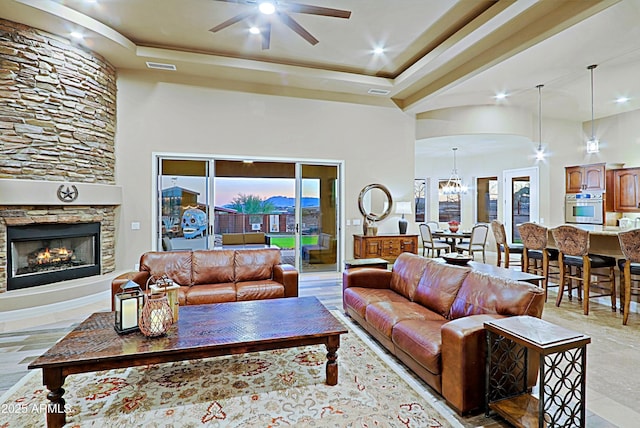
[46, 253]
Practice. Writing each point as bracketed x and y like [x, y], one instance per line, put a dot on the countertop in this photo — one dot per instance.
[597, 229]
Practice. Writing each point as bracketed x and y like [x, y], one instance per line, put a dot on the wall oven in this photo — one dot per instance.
[584, 208]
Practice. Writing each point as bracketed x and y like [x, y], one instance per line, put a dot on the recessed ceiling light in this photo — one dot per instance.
[76, 35]
[267, 7]
[622, 100]
[500, 96]
[378, 51]
[254, 30]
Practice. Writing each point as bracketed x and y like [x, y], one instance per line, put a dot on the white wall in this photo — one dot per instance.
[376, 143]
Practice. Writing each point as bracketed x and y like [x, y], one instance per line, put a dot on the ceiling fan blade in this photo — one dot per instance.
[293, 24]
[266, 36]
[231, 21]
[316, 10]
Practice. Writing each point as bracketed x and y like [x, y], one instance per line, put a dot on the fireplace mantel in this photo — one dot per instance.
[16, 192]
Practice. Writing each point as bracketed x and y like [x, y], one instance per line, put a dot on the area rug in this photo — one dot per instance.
[262, 389]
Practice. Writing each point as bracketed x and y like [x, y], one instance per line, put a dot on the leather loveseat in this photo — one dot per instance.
[215, 276]
[431, 316]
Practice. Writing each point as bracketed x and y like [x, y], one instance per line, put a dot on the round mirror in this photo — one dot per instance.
[375, 202]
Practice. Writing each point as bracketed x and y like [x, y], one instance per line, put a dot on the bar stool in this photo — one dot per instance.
[630, 265]
[503, 246]
[573, 251]
[536, 257]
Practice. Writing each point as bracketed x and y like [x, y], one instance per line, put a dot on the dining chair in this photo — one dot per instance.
[536, 255]
[573, 252]
[428, 244]
[433, 225]
[630, 265]
[502, 246]
[476, 243]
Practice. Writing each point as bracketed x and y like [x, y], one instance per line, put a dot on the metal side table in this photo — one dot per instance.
[512, 343]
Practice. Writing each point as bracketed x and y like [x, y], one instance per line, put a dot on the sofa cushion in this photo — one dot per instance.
[407, 271]
[175, 264]
[384, 315]
[211, 293]
[254, 265]
[212, 266]
[255, 290]
[439, 286]
[358, 298]
[421, 340]
[485, 294]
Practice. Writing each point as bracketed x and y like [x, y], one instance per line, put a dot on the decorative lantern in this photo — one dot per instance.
[128, 303]
[157, 316]
[166, 285]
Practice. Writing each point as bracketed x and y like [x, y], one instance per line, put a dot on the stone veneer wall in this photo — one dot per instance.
[57, 123]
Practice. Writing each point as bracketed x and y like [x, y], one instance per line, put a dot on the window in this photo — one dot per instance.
[419, 187]
[448, 205]
[487, 197]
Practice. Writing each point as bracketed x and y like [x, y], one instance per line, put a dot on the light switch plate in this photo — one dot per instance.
[135, 225]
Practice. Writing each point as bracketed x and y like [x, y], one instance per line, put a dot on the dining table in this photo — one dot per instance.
[451, 238]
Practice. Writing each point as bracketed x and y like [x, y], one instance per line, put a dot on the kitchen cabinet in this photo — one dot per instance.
[626, 190]
[585, 177]
[387, 247]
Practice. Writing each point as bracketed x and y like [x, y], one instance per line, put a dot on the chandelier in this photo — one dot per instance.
[593, 143]
[454, 186]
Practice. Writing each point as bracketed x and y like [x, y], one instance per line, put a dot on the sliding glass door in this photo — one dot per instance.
[184, 204]
[318, 217]
[226, 203]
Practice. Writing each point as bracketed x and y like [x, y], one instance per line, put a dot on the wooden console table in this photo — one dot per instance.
[388, 247]
[561, 380]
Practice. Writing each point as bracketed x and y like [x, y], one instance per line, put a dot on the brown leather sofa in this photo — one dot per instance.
[214, 276]
[431, 316]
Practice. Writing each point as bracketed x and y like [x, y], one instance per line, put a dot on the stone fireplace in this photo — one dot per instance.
[25, 231]
[45, 253]
[57, 166]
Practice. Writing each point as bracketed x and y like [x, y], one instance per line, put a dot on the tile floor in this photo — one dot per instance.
[612, 356]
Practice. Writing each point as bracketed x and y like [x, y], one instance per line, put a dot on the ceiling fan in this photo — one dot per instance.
[262, 10]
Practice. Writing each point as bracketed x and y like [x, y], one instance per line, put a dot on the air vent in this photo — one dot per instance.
[374, 91]
[161, 66]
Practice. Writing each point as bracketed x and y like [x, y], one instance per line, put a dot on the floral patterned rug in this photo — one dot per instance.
[262, 389]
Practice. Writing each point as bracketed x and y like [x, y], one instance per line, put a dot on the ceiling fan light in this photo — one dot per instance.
[267, 7]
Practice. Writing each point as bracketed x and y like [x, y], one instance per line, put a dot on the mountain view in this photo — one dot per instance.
[286, 202]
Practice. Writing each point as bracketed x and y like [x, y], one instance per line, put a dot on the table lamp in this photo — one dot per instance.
[403, 208]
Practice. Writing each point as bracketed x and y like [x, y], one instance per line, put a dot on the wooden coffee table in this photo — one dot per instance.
[202, 331]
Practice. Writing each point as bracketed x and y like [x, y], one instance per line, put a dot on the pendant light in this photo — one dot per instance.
[540, 151]
[593, 143]
[454, 186]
